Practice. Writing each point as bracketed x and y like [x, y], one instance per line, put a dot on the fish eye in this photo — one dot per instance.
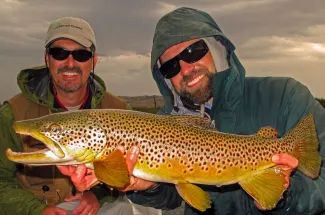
[55, 128]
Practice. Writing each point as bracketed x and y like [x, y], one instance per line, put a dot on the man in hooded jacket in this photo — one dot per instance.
[239, 105]
[235, 104]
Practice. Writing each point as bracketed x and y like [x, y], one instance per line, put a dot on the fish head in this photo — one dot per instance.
[70, 138]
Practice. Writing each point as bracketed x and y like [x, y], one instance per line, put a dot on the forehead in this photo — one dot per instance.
[67, 43]
[178, 48]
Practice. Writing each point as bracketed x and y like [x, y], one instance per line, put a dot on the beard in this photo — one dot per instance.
[69, 86]
[203, 93]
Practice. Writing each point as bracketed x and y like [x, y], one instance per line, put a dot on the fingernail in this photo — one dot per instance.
[275, 158]
[135, 150]
[134, 153]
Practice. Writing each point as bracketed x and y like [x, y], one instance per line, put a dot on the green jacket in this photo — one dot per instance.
[241, 105]
[18, 182]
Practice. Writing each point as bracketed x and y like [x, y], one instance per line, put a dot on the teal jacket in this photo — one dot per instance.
[241, 105]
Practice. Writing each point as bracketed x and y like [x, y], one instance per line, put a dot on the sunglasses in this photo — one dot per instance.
[80, 55]
[191, 54]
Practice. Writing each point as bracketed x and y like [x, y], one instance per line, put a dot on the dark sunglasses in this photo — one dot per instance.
[80, 55]
[190, 55]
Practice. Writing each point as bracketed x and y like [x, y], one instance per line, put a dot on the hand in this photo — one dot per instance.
[288, 164]
[82, 177]
[89, 204]
[54, 211]
[135, 184]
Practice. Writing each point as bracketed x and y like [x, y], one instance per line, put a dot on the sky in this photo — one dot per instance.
[272, 38]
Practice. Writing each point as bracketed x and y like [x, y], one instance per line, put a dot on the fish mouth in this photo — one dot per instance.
[36, 158]
[52, 155]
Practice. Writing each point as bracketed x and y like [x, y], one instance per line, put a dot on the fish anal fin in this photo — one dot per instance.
[266, 187]
[267, 132]
[194, 196]
[113, 170]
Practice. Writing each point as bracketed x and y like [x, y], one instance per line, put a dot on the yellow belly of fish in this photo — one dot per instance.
[175, 171]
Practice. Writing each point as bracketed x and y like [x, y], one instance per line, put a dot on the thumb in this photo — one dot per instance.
[73, 198]
[60, 211]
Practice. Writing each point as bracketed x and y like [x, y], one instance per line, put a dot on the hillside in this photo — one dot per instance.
[144, 101]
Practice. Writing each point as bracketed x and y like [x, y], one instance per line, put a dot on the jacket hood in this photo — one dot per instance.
[34, 83]
[185, 24]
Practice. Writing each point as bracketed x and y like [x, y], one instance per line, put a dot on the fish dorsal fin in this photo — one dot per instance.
[194, 196]
[266, 187]
[267, 132]
[113, 170]
[190, 120]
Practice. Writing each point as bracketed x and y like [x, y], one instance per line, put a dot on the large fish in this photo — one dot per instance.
[183, 150]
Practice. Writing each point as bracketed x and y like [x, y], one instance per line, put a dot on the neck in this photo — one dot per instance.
[71, 99]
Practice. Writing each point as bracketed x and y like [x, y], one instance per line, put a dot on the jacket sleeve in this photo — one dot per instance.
[164, 196]
[305, 195]
[14, 199]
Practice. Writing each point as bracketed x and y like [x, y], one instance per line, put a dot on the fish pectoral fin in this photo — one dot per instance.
[267, 187]
[194, 196]
[113, 170]
[267, 132]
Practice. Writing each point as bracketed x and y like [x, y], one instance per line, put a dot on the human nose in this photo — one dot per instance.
[70, 61]
[186, 68]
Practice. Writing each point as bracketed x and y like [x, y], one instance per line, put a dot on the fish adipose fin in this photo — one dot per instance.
[267, 132]
[196, 121]
[266, 187]
[113, 170]
[194, 196]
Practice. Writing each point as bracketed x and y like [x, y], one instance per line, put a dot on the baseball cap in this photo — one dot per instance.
[72, 28]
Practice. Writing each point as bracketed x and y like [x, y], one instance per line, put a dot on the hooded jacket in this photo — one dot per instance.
[22, 187]
[241, 105]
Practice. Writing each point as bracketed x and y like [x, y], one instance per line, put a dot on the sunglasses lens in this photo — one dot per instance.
[59, 53]
[190, 55]
[62, 54]
[170, 68]
[82, 55]
[194, 52]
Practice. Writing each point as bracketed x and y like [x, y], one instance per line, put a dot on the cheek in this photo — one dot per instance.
[176, 80]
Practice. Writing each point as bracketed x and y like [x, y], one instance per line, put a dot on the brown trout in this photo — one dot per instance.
[183, 150]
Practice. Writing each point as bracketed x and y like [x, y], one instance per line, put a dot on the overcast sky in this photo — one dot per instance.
[272, 38]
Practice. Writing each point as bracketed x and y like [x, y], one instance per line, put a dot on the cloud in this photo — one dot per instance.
[127, 74]
[272, 37]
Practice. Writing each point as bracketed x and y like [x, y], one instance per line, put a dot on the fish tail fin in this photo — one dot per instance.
[305, 149]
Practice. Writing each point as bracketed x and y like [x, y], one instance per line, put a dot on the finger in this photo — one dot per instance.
[122, 149]
[60, 211]
[87, 211]
[131, 158]
[129, 186]
[285, 159]
[73, 198]
[79, 174]
[66, 170]
[258, 205]
[81, 207]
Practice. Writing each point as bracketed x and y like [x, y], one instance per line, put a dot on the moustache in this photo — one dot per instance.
[69, 69]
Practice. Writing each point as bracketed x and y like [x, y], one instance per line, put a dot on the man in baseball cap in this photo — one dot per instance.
[65, 83]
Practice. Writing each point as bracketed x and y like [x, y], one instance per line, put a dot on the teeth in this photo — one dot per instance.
[70, 73]
[195, 81]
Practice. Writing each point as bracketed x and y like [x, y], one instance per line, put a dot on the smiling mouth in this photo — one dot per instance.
[195, 81]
